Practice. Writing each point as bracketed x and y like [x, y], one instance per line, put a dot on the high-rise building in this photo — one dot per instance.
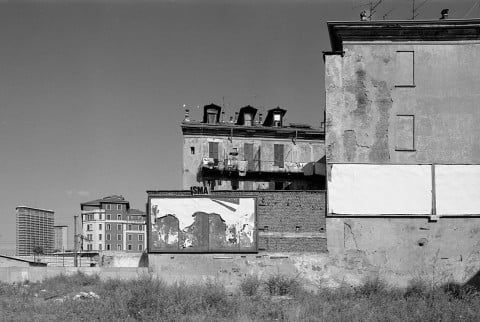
[109, 224]
[34, 229]
[61, 237]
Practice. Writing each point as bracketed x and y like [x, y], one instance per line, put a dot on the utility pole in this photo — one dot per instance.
[75, 243]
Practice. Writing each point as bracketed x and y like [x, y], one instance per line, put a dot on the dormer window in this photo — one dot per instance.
[277, 119]
[248, 119]
[211, 114]
[246, 116]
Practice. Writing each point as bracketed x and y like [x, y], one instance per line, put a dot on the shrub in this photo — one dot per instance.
[372, 286]
[250, 285]
[282, 285]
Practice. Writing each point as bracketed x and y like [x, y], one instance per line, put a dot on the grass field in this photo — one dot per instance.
[278, 298]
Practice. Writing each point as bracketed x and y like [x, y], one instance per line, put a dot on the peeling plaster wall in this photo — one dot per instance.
[447, 250]
[362, 103]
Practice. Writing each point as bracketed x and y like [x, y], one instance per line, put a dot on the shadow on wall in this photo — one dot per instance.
[143, 260]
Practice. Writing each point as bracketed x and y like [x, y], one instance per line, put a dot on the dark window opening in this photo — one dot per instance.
[278, 155]
[278, 185]
[192, 150]
[213, 152]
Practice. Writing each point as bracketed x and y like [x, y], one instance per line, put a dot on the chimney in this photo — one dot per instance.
[223, 117]
[444, 14]
[231, 120]
[260, 118]
[236, 117]
[363, 15]
[187, 115]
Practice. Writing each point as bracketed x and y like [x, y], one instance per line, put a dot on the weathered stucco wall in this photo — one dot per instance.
[295, 156]
[446, 250]
[365, 105]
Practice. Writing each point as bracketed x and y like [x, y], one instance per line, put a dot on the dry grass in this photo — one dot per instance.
[277, 298]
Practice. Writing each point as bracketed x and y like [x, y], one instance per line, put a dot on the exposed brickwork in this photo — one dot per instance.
[281, 213]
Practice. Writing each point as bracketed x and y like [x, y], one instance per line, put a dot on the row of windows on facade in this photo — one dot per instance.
[109, 207]
[91, 217]
[119, 237]
[278, 152]
[119, 227]
[119, 247]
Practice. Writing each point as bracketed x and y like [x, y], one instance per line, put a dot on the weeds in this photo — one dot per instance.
[150, 299]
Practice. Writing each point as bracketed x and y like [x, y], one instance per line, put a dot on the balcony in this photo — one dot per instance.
[259, 169]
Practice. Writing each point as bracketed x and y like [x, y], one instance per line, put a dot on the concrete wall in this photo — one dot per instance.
[287, 221]
[295, 157]
[10, 262]
[364, 103]
[36, 274]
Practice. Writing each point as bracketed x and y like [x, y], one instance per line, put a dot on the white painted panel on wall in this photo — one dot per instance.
[366, 189]
[457, 189]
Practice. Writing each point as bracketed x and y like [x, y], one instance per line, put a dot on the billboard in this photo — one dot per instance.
[202, 224]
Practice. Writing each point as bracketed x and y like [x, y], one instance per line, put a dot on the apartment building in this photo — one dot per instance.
[250, 152]
[109, 224]
[34, 228]
[61, 238]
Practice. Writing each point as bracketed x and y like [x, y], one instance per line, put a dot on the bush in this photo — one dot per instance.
[250, 285]
[372, 286]
[282, 285]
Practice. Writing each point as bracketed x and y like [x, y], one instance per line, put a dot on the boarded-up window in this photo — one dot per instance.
[404, 75]
[213, 151]
[278, 155]
[404, 133]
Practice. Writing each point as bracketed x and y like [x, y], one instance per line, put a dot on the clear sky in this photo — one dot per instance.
[92, 92]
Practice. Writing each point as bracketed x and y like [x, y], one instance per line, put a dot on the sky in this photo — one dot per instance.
[92, 93]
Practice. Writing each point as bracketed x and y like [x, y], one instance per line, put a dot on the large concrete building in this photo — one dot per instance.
[402, 144]
[61, 238]
[109, 224]
[34, 229]
[251, 153]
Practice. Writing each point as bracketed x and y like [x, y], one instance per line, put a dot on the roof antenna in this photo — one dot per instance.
[415, 9]
[363, 14]
[476, 4]
[387, 13]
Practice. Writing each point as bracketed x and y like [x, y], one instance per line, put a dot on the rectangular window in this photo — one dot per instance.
[192, 150]
[108, 207]
[109, 217]
[129, 247]
[108, 236]
[89, 237]
[213, 152]
[404, 69]
[140, 247]
[89, 227]
[405, 133]
[108, 246]
[129, 237]
[100, 226]
[89, 247]
[119, 237]
[248, 156]
[129, 227]
[99, 236]
[119, 247]
[119, 227]
[140, 237]
[278, 155]
[119, 207]
[119, 217]
[108, 227]
[99, 246]
[99, 216]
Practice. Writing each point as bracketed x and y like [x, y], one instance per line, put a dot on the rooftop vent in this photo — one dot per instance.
[444, 14]
[363, 15]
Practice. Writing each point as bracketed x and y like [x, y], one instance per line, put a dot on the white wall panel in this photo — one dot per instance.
[366, 189]
[457, 189]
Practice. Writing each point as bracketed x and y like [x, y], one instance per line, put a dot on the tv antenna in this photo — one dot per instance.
[476, 4]
[415, 10]
[371, 6]
[387, 13]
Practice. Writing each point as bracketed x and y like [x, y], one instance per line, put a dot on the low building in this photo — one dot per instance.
[109, 224]
[34, 230]
[251, 153]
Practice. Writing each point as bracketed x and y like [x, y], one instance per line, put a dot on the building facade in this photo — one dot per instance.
[34, 228]
[109, 224]
[251, 153]
[61, 238]
[402, 148]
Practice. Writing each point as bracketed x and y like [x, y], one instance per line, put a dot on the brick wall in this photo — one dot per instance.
[287, 221]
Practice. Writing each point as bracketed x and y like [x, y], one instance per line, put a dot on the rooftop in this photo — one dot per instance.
[116, 199]
[33, 208]
[403, 30]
